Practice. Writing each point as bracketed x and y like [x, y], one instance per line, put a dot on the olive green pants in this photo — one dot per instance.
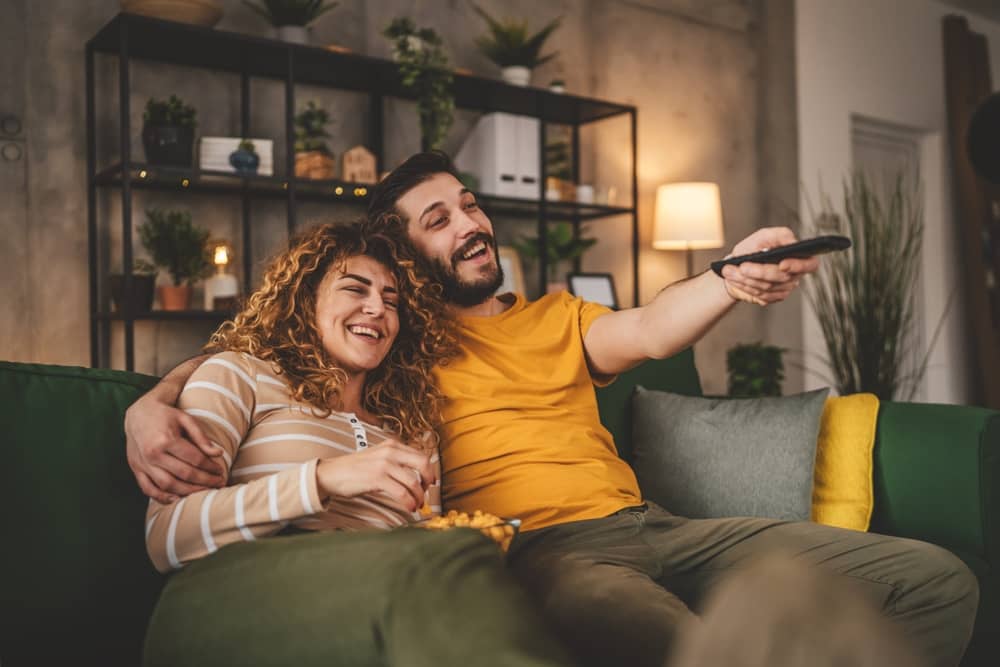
[406, 597]
[618, 589]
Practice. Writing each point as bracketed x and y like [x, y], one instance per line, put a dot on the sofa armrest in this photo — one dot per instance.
[937, 476]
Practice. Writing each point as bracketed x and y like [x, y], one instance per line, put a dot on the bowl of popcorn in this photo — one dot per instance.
[498, 529]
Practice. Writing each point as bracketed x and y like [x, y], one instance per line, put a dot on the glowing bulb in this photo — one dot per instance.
[185, 183]
[338, 190]
[142, 173]
[221, 255]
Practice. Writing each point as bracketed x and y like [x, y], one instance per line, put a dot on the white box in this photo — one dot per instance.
[503, 152]
[213, 154]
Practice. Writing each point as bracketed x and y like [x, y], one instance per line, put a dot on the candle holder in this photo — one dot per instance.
[222, 289]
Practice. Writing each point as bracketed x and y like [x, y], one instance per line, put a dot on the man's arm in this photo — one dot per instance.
[684, 311]
[166, 450]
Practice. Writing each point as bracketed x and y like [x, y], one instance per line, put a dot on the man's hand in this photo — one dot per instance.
[763, 284]
[168, 453]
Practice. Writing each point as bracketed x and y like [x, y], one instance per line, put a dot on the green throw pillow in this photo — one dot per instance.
[709, 457]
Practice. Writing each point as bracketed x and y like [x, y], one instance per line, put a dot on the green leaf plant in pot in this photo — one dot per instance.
[291, 18]
[140, 298]
[424, 72]
[511, 48]
[313, 157]
[178, 245]
[168, 132]
[755, 370]
[561, 247]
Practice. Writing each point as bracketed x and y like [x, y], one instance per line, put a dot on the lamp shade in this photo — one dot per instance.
[688, 217]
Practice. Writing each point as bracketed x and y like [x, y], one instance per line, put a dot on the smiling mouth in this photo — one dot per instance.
[367, 332]
[476, 248]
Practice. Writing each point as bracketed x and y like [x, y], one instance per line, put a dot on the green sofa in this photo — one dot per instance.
[77, 585]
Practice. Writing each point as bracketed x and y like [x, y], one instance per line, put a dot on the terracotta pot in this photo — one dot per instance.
[175, 297]
[197, 12]
[315, 165]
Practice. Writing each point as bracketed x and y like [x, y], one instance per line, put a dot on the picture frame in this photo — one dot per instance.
[594, 287]
[513, 274]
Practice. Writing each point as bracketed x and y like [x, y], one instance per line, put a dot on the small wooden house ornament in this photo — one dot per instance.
[359, 165]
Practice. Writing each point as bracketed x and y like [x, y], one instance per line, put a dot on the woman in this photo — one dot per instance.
[323, 403]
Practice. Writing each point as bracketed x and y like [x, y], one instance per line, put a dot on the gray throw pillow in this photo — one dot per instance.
[709, 458]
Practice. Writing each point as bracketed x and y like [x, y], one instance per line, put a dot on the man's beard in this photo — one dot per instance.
[466, 294]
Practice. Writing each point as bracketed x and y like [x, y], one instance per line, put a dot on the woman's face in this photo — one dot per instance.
[356, 314]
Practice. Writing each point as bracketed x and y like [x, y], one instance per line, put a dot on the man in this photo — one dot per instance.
[615, 576]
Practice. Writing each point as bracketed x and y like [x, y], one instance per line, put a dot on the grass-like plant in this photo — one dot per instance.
[310, 129]
[509, 43]
[176, 244]
[755, 369]
[290, 12]
[864, 297]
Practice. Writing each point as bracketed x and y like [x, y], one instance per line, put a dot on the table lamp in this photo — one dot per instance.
[221, 289]
[688, 217]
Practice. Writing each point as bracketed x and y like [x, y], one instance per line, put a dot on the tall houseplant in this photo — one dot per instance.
[561, 246]
[864, 297]
[423, 68]
[511, 48]
[178, 245]
[168, 132]
[291, 18]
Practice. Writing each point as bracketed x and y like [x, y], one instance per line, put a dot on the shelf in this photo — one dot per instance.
[200, 47]
[186, 315]
[145, 176]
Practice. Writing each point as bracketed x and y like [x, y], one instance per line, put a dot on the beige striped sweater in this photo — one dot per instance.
[272, 445]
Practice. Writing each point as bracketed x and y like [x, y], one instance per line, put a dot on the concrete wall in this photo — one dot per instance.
[708, 101]
[890, 69]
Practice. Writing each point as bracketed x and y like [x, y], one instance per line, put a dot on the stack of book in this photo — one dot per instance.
[213, 154]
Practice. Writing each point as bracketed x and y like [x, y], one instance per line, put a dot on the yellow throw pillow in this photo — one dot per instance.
[843, 494]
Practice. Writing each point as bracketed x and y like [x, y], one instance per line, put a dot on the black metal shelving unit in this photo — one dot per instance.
[128, 37]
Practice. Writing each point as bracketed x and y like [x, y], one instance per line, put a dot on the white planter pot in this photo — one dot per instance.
[297, 34]
[517, 76]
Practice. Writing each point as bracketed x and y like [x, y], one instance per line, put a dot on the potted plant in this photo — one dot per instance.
[559, 184]
[140, 298]
[245, 159]
[168, 132]
[179, 246]
[423, 68]
[291, 18]
[755, 370]
[313, 158]
[509, 46]
[560, 247]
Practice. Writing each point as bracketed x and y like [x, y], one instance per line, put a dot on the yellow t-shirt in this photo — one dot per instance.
[522, 434]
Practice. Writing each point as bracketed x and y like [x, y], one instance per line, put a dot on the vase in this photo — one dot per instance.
[516, 76]
[244, 162]
[314, 165]
[197, 12]
[140, 299]
[296, 34]
[168, 145]
[175, 297]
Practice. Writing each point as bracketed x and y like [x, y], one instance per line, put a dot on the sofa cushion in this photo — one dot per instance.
[76, 581]
[843, 494]
[707, 457]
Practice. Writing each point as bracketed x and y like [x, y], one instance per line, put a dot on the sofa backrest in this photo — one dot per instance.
[75, 580]
[676, 374]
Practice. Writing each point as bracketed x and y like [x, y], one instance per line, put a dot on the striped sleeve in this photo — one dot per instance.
[221, 395]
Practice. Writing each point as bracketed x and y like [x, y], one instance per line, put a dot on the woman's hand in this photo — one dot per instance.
[402, 473]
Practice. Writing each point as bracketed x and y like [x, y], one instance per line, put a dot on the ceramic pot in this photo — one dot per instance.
[196, 12]
[168, 145]
[175, 297]
[296, 34]
[140, 299]
[517, 76]
[244, 162]
[314, 165]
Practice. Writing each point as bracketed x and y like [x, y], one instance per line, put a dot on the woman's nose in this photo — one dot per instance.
[374, 305]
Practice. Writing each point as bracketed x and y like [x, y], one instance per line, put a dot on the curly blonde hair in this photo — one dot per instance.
[278, 324]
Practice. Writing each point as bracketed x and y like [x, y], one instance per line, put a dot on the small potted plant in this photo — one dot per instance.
[245, 159]
[423, 68]
[560, 247]
[140, 299]
[168, 132]
[313, 157]
[509, 46]
[755, 370]
[291, 18]
[179, 246]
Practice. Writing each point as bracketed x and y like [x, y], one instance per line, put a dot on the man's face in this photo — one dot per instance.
[449, 228]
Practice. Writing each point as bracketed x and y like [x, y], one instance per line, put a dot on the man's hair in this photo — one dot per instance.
[417, 169]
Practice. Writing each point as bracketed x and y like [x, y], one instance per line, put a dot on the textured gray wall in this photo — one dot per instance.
[711, 80]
